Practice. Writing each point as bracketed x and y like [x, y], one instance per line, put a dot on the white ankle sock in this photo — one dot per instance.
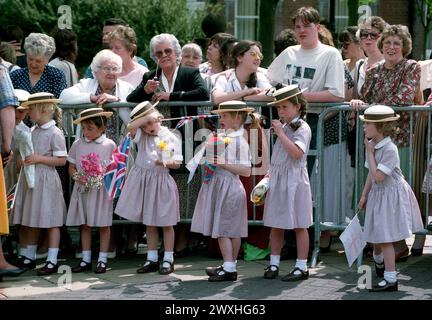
[229, 266]
[103, 256]
[52, 255]
[274, 261]
[301, 264]
[23, 251]
[31, 252]
[152, 255]
[86, 256]
[390, 276]
[168, 256]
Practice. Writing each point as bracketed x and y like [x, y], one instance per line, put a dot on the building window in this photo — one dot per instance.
[246, 17]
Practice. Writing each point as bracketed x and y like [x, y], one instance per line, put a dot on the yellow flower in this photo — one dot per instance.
[162, 145]
[227, 140]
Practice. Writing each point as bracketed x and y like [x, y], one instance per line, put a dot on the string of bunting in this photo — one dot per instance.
[186, 119]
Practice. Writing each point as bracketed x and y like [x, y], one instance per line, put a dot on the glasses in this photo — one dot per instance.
[159, 54]
[109, 69]
[395, 44]
[373, 35]
[256, 55]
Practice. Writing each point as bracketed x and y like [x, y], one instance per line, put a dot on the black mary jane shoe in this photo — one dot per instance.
[223, 275]
[303, 275]
[151, 266]
[101, 267]
[212, 271]
[168, 270]
[82, 267]
[47, 269]
[22, 265]
[388, 286]
[379, 269]
[269, 273]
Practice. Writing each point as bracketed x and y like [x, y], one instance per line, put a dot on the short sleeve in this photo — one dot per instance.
[220, 83]
[302, 137]
[73, 153]
[388, 160]
[237, 152]
[174, 139]
[58, 144]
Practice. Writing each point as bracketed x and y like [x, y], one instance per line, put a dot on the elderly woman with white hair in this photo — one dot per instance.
[170, 81]
[38, 76]
[104, 88]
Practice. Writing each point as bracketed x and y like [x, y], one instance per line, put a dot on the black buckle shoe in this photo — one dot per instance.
[387, 287]
[223, 275]
[101, 267]
[47, 270]
[22, 265]
[170, 269]
[303, 275]
[269, 273]
[379, 269]
[212, 271]
[81, 268]
[152, 266]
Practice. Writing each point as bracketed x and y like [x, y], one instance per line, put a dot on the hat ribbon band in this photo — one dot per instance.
[378, 116]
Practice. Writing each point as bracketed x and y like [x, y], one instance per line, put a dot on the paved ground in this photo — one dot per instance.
[331, 280]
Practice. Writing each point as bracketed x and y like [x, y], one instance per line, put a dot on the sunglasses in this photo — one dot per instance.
[373, 35]
[160, 54]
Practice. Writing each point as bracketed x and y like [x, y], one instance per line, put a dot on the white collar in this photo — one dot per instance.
[165, 81]
[382, 143]
[237, 133]
[47, 125]
[235, 83]
[101, 139]
[295, 120]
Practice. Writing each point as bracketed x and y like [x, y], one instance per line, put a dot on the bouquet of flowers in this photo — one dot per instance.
[91, 174]
[258, 193]
[215, 146]
[164, 148]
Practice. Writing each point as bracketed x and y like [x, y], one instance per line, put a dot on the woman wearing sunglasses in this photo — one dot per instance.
[368, 33]
[170, 81]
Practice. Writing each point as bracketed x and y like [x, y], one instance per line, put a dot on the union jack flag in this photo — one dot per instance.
[116, 170]
[10, 199]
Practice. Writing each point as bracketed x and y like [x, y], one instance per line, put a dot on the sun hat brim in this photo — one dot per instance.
[278, 101]
[148, 111]
[99, 114]
[27, 104]
[383, 119]
[247, 109]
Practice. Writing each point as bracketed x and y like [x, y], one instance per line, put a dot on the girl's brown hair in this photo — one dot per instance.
[388, 129]
[301, 100]
[99, 122]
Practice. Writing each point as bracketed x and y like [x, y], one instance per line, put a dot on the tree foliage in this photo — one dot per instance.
[147, 17]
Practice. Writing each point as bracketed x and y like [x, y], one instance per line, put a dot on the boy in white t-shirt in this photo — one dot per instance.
[311, 64]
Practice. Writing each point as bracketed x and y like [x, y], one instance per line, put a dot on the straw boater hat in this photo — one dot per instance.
[142, 109]
[379, 113]
[233, 106]
[39, 97]
[22, 96]
[92, 113]
[286, 93]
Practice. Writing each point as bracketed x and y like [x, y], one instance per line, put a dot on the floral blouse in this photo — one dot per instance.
[394, 87]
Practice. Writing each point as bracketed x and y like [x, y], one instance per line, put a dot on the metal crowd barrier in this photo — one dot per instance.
[360, 172]
[339, 185]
